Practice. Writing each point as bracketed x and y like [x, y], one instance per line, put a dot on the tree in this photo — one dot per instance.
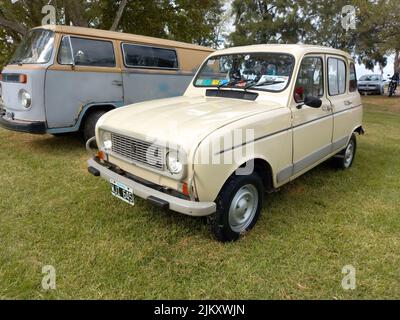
[276, 21]
[320, 22]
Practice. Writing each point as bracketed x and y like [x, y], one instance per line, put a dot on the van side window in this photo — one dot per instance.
[87, 52]
[310, 81]
[337, 76]
[149, 57]
[353, 78]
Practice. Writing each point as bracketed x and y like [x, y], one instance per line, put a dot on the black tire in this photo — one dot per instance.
[342, 160]
[90, 124]
[221, 222]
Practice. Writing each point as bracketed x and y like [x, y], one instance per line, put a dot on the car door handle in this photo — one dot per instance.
[117, 83]
[327, 108]
[348, 103]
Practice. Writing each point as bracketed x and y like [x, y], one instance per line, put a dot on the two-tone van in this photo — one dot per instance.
[62, 79]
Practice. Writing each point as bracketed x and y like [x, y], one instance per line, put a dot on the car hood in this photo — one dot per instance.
[183, 121]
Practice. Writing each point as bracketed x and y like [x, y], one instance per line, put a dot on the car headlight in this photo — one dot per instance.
[174, 163]
[106, 141]
[25, 98]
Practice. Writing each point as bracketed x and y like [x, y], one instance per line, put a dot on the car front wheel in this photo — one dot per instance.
[238, 207]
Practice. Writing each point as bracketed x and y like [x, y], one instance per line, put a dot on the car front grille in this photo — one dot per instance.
[138, 151]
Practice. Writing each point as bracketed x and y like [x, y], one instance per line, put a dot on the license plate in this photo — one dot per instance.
[122, 192]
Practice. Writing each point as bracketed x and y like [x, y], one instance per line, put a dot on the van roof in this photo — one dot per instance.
[123, 37]
[295, 49]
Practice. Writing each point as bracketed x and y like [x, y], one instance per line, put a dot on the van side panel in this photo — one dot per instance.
[68, 92]
[141, 85]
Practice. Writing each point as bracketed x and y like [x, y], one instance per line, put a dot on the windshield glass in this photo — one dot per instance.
[36, 48]
[256, 71]
[370, 78]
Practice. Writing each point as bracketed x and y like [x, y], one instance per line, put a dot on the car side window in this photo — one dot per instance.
[138, 56]
[353, 78]
[310, 80]
[336, 76]
[86, 52]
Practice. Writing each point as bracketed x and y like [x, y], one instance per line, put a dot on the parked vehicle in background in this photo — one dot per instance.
[253, 119]
[63, 79]
[394, 80]
[371, 83]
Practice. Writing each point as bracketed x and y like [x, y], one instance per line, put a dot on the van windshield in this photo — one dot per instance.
[36, 48]
[256, 71]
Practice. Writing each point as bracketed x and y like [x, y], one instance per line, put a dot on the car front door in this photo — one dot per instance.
[312, 127]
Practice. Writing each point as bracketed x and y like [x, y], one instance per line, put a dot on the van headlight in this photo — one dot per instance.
[174, 163]
[25, 99]
[106, 141]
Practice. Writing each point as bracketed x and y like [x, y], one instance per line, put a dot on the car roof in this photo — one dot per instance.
[294, 49]
[91, 32]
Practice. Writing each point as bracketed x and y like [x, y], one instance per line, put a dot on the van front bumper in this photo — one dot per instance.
[187, 207]
[36, 127]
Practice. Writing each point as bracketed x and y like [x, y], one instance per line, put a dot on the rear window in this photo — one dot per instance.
[138, 56]
[86, 52]
[353, 78]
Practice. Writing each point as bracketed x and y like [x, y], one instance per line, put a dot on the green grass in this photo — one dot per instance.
[52, 212]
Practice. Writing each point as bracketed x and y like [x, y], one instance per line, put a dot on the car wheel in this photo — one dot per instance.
[238, 207]
[345, 159]
[89, 128]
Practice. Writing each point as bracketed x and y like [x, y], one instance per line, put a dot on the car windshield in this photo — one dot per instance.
[36, 48]
[370, 78]
[258, 71]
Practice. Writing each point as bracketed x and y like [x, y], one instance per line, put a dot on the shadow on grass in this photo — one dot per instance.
[61, 143]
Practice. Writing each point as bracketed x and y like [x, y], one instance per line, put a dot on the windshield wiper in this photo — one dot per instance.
[265, 83]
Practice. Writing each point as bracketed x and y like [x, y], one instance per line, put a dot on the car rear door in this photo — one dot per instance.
[341, 97]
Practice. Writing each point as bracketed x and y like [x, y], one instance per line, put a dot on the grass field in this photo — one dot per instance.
[52, 212]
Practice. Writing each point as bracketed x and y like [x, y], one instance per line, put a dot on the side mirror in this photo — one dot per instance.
[311, 102]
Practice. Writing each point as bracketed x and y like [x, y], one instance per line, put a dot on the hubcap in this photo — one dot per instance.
[243, 208]
[349, 154]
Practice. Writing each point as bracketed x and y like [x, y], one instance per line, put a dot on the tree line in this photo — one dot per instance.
[206, 22]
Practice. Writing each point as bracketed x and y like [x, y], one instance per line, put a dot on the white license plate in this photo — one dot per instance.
[122, 192]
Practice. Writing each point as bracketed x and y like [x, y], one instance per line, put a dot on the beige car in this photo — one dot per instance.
[253, 119]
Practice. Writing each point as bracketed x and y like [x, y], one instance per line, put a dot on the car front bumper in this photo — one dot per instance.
[187, 207]
[36, 127]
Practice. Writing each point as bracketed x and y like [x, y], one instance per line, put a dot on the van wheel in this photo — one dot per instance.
[89, 127]
[345, 158]
[238, 207]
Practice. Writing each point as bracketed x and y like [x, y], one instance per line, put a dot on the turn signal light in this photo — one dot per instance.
[1, 77]
[23, 78]
[183, 188]
[101, 155]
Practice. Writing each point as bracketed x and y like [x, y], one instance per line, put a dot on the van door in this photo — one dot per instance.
[340, 100]
[312, 127]
[86, 74]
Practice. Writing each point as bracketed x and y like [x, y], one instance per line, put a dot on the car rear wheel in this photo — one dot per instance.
[344, 160]
[90, 124]
[238, 207]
